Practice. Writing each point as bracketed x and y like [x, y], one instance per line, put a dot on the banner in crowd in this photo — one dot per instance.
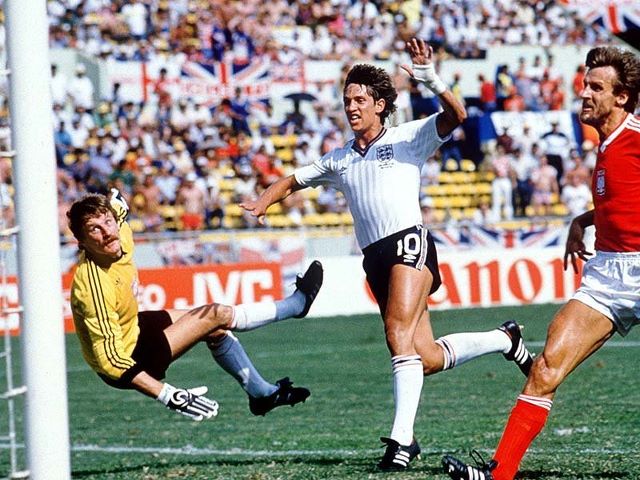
[182, 287]
[539, 123]
[473, 236]
[620, 17]
[208, 83]
[474, 278]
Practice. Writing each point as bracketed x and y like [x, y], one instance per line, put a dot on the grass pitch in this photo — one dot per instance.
[592, 432]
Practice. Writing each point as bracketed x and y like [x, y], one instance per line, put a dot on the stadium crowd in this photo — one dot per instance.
[186, 165]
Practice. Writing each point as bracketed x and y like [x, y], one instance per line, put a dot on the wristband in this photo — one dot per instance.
[427, 75]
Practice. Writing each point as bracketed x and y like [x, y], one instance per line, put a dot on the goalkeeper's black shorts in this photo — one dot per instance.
[152, 352]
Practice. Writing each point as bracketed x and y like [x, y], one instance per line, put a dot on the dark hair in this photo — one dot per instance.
[627, 67]
[89, 206]
[379, 85]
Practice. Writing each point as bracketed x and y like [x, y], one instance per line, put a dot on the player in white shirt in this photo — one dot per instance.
[378, 172]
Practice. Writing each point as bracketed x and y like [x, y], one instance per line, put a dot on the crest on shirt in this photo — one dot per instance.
[384, 155]
[600, 184]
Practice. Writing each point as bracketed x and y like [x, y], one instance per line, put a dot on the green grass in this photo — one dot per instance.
[592, 431]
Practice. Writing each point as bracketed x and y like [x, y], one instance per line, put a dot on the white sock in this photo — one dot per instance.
[459, 348]
[248, 316]
[407, 386]
[230, 355]
[290, 306]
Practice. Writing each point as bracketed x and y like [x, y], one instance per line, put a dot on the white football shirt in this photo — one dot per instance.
[381, 184]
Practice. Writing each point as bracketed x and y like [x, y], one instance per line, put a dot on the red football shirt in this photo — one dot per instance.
[615, 186]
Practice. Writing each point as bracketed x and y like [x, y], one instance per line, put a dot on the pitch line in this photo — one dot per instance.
[191, 451]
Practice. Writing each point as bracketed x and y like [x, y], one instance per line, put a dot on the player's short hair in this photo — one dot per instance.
[89, 206]
[627, 66]
[379, 85]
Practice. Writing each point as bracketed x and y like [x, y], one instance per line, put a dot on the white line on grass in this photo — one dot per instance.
[190, 450]
[612, 344]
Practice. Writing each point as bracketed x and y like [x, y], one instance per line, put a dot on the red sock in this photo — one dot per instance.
[525, 423]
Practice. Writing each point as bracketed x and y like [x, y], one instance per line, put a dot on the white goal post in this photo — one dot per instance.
[39, 271]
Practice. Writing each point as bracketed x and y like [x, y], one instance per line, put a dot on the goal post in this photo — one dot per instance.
[39, 266]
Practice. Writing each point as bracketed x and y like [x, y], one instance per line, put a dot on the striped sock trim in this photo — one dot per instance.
[448, 352]
[537, 401]
[402, 362]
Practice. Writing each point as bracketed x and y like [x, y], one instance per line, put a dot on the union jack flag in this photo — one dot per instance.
[617, 16]
[480, 236]
[211, 82]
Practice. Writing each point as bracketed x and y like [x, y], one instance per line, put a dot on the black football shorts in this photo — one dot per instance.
[152, 352]
[413, 247]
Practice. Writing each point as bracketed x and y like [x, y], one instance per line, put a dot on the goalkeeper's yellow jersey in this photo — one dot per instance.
[104, 306]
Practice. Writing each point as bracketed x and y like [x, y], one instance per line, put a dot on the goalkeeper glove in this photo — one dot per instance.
[117, 198]
[189, 402]
[427, 75]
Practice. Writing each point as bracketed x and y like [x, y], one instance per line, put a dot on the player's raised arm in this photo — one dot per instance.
[424, 71]
[276, 192]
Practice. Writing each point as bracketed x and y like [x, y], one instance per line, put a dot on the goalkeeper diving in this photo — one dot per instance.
[132, 349]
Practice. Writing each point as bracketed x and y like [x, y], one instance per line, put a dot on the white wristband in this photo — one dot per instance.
[427, 75]
[165, 394]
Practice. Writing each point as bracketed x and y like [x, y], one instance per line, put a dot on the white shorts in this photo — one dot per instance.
[611, 285]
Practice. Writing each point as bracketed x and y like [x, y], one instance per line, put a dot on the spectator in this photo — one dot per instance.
[303, 154]
[556, 146]
[452, 150]
[502, 184]
[523, 166]
[545, 186]
[504, 84]
[576, 195]
[192, 200]
[576, 167]
[483, 214]
[80, 89]
[162, 90]
[135, 15]
[577, 83]
[426, 210]
[167, 184]
[58, 86]
[431, 170]
[487, 94]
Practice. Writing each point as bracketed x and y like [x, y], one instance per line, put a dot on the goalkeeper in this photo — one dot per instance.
[132, 350]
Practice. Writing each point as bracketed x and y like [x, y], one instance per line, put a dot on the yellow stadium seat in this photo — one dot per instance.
[227, 184]
[560, 209]
[434, 190]
[275, 209]
[232, 222]
[285, 154]
[445, 177]
[439, 215]
[468, 165]
[137, 225]
[233, 210]
[346, 219]
[280, 221]
[451, 165]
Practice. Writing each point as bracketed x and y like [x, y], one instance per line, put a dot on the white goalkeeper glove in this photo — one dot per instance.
[190, 402]
[117, 198]
[427, 75]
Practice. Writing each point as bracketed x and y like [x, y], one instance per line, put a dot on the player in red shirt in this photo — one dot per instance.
[608, 299]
